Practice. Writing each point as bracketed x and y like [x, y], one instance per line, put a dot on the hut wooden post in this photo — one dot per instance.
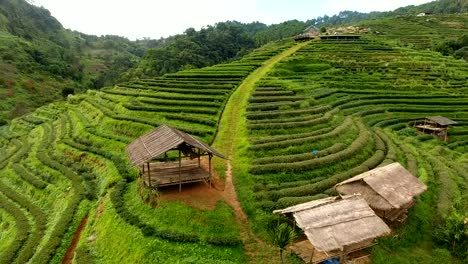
[180, 172]
[424, 127]
[445, 134]
[199, 165]
[209, 166]
[143, 168]
[149, 174]
[312, 256]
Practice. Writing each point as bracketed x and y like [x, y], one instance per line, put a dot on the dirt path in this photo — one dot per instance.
[231, 136]
[67, 259]
[230, 195]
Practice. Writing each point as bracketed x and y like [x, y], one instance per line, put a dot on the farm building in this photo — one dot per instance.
[304, 36]
[389, 190]
[435, 125]
[335, 227]
[151, 150]
[340, 37]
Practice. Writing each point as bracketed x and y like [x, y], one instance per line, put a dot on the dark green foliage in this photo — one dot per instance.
[28, 177]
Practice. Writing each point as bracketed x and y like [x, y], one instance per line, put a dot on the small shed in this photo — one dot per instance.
[389, 190]
[335, 227]
[305, 36]
[435, 125]
[154, 146]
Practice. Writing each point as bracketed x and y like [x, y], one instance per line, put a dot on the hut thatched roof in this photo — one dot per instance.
[443, 121]
[384, 188]
[335, 223]
[161, 140]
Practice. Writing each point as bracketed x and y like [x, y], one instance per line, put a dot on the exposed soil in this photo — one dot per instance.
[67, 259]
[230, 195]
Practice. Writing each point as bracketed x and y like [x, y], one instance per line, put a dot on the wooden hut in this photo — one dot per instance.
[389, 190]
[435, 125]
[335, 227]
[155, 145]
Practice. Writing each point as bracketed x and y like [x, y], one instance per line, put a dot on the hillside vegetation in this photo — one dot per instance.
[66, 162]
[294, 120]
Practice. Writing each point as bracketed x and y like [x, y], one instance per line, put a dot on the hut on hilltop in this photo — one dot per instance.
[389, 190]
[435, 125]
[335, 227]
[154, 146]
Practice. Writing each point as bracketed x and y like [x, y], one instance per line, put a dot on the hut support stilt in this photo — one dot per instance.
[199, 164]
[209, 166]
[312, 256]
[180, 171]
[149, 174]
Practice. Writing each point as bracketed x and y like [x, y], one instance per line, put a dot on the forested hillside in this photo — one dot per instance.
[40, 61]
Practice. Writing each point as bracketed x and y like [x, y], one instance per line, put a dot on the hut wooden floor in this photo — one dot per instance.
[304, 250]
[167, 174]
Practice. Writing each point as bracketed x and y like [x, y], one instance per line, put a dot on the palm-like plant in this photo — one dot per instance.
[282, 235]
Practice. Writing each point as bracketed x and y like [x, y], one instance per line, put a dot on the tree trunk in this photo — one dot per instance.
[281, 256]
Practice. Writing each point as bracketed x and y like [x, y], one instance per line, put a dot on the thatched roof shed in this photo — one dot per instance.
[440, 120]
[389, 190]
[338, 224]
[163, 139]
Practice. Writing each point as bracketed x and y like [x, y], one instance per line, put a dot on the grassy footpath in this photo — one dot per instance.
[232, 142]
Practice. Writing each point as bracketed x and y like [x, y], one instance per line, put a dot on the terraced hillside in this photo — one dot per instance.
[63, 168]
[419, 32]
[317, 116]
[336, 109]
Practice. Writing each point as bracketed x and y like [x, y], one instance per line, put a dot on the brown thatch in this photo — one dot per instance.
[440, 120]
[337, 223]
[384, 188]
[164, 138]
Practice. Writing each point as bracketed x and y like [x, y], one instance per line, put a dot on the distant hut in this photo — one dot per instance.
[155, 145]
[435, 125]
[389, 190]
[335, 227]
[308, 34]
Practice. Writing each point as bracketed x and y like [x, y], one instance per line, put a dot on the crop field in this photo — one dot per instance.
[418, 32]
[64, 166]
[336, 109]
[327, 112]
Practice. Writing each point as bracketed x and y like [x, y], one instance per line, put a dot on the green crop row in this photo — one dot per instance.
[278, 138]
[269, 99]
[191, 119]
[283, 125]
[28, 177]
[284, 120]
[272, 93]
[168, 109]
[300, 157]
[5, 157]
[271, 106]
[310, 137]
[180, 97]
[27, 250]
[111, 114]
[180, 103]
[357, 145]
[46, 252]
[279, 113]
[22, 227]
[318, 187]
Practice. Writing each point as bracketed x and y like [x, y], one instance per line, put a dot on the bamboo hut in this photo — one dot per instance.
[435, 125]
[389, 190]
[335, 227]
[152, 148]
